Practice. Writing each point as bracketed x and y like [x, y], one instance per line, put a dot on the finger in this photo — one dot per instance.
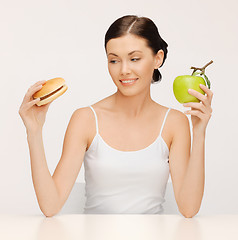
[194, 113]
[32, 103]
[197, 94]
[200, 97]
[24, 108]
[28, 97]
[199, 114]
[39, 82]
[207, 91]
[194, 105]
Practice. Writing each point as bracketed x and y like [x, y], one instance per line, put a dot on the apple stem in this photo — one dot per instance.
[202, 73]
[201, 69]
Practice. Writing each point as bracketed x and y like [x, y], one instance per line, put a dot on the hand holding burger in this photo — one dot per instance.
[42, 93]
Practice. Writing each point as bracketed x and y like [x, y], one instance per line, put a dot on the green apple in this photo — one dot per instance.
[183, 83]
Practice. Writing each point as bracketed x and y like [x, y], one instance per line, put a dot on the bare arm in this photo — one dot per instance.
[53, 191]
[192, 188]
[44, 185]
[179, 155]
[186, 166]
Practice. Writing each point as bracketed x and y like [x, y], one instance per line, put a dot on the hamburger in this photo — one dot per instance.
[51, 90]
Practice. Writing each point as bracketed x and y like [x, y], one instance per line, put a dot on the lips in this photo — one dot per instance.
[127, 79]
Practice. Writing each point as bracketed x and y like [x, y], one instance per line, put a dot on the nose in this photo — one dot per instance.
[125, 68]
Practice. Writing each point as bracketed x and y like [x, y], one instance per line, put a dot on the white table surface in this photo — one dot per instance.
[113, 227]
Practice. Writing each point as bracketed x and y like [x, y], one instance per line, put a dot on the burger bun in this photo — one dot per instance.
[51, 90]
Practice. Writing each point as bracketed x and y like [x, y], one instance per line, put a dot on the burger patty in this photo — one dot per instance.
[48, 95]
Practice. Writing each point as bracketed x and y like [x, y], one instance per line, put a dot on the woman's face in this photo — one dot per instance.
[130, 58]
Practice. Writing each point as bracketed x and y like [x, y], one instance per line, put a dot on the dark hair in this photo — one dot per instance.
[142, 27]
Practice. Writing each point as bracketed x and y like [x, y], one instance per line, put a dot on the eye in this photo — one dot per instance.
[135, 59]
[112, 61]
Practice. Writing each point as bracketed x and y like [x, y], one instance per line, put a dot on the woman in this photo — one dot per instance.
[128, 142]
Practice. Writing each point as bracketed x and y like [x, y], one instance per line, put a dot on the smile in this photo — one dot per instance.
[127, 82]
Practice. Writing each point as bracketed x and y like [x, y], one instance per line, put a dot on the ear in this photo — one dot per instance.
[159, 59]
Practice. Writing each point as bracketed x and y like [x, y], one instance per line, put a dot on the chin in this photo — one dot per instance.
[128, 93]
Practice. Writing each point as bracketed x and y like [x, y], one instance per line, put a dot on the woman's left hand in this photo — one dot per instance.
[200, 112]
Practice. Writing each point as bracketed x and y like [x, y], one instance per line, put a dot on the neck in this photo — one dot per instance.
[132, 106]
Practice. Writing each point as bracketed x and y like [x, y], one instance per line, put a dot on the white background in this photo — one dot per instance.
[44, 39]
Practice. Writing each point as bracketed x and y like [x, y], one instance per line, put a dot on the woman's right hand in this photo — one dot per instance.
[33, 116]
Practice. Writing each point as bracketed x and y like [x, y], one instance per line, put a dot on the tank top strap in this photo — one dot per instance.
[95, 118]
[164, 122]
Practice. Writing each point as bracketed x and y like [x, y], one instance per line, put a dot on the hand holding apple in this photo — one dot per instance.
[200, 112]
[182, 83]
[193, 92]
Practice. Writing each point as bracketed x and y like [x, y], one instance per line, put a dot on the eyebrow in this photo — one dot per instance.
[128, 53]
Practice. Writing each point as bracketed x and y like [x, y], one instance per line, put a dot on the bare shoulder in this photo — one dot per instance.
[80, 120]
[178, 121]
[82, 112]
[178, 116]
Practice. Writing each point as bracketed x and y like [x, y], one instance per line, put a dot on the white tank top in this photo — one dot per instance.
[125, 182]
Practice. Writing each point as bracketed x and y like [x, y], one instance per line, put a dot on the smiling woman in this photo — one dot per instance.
[128, 142]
